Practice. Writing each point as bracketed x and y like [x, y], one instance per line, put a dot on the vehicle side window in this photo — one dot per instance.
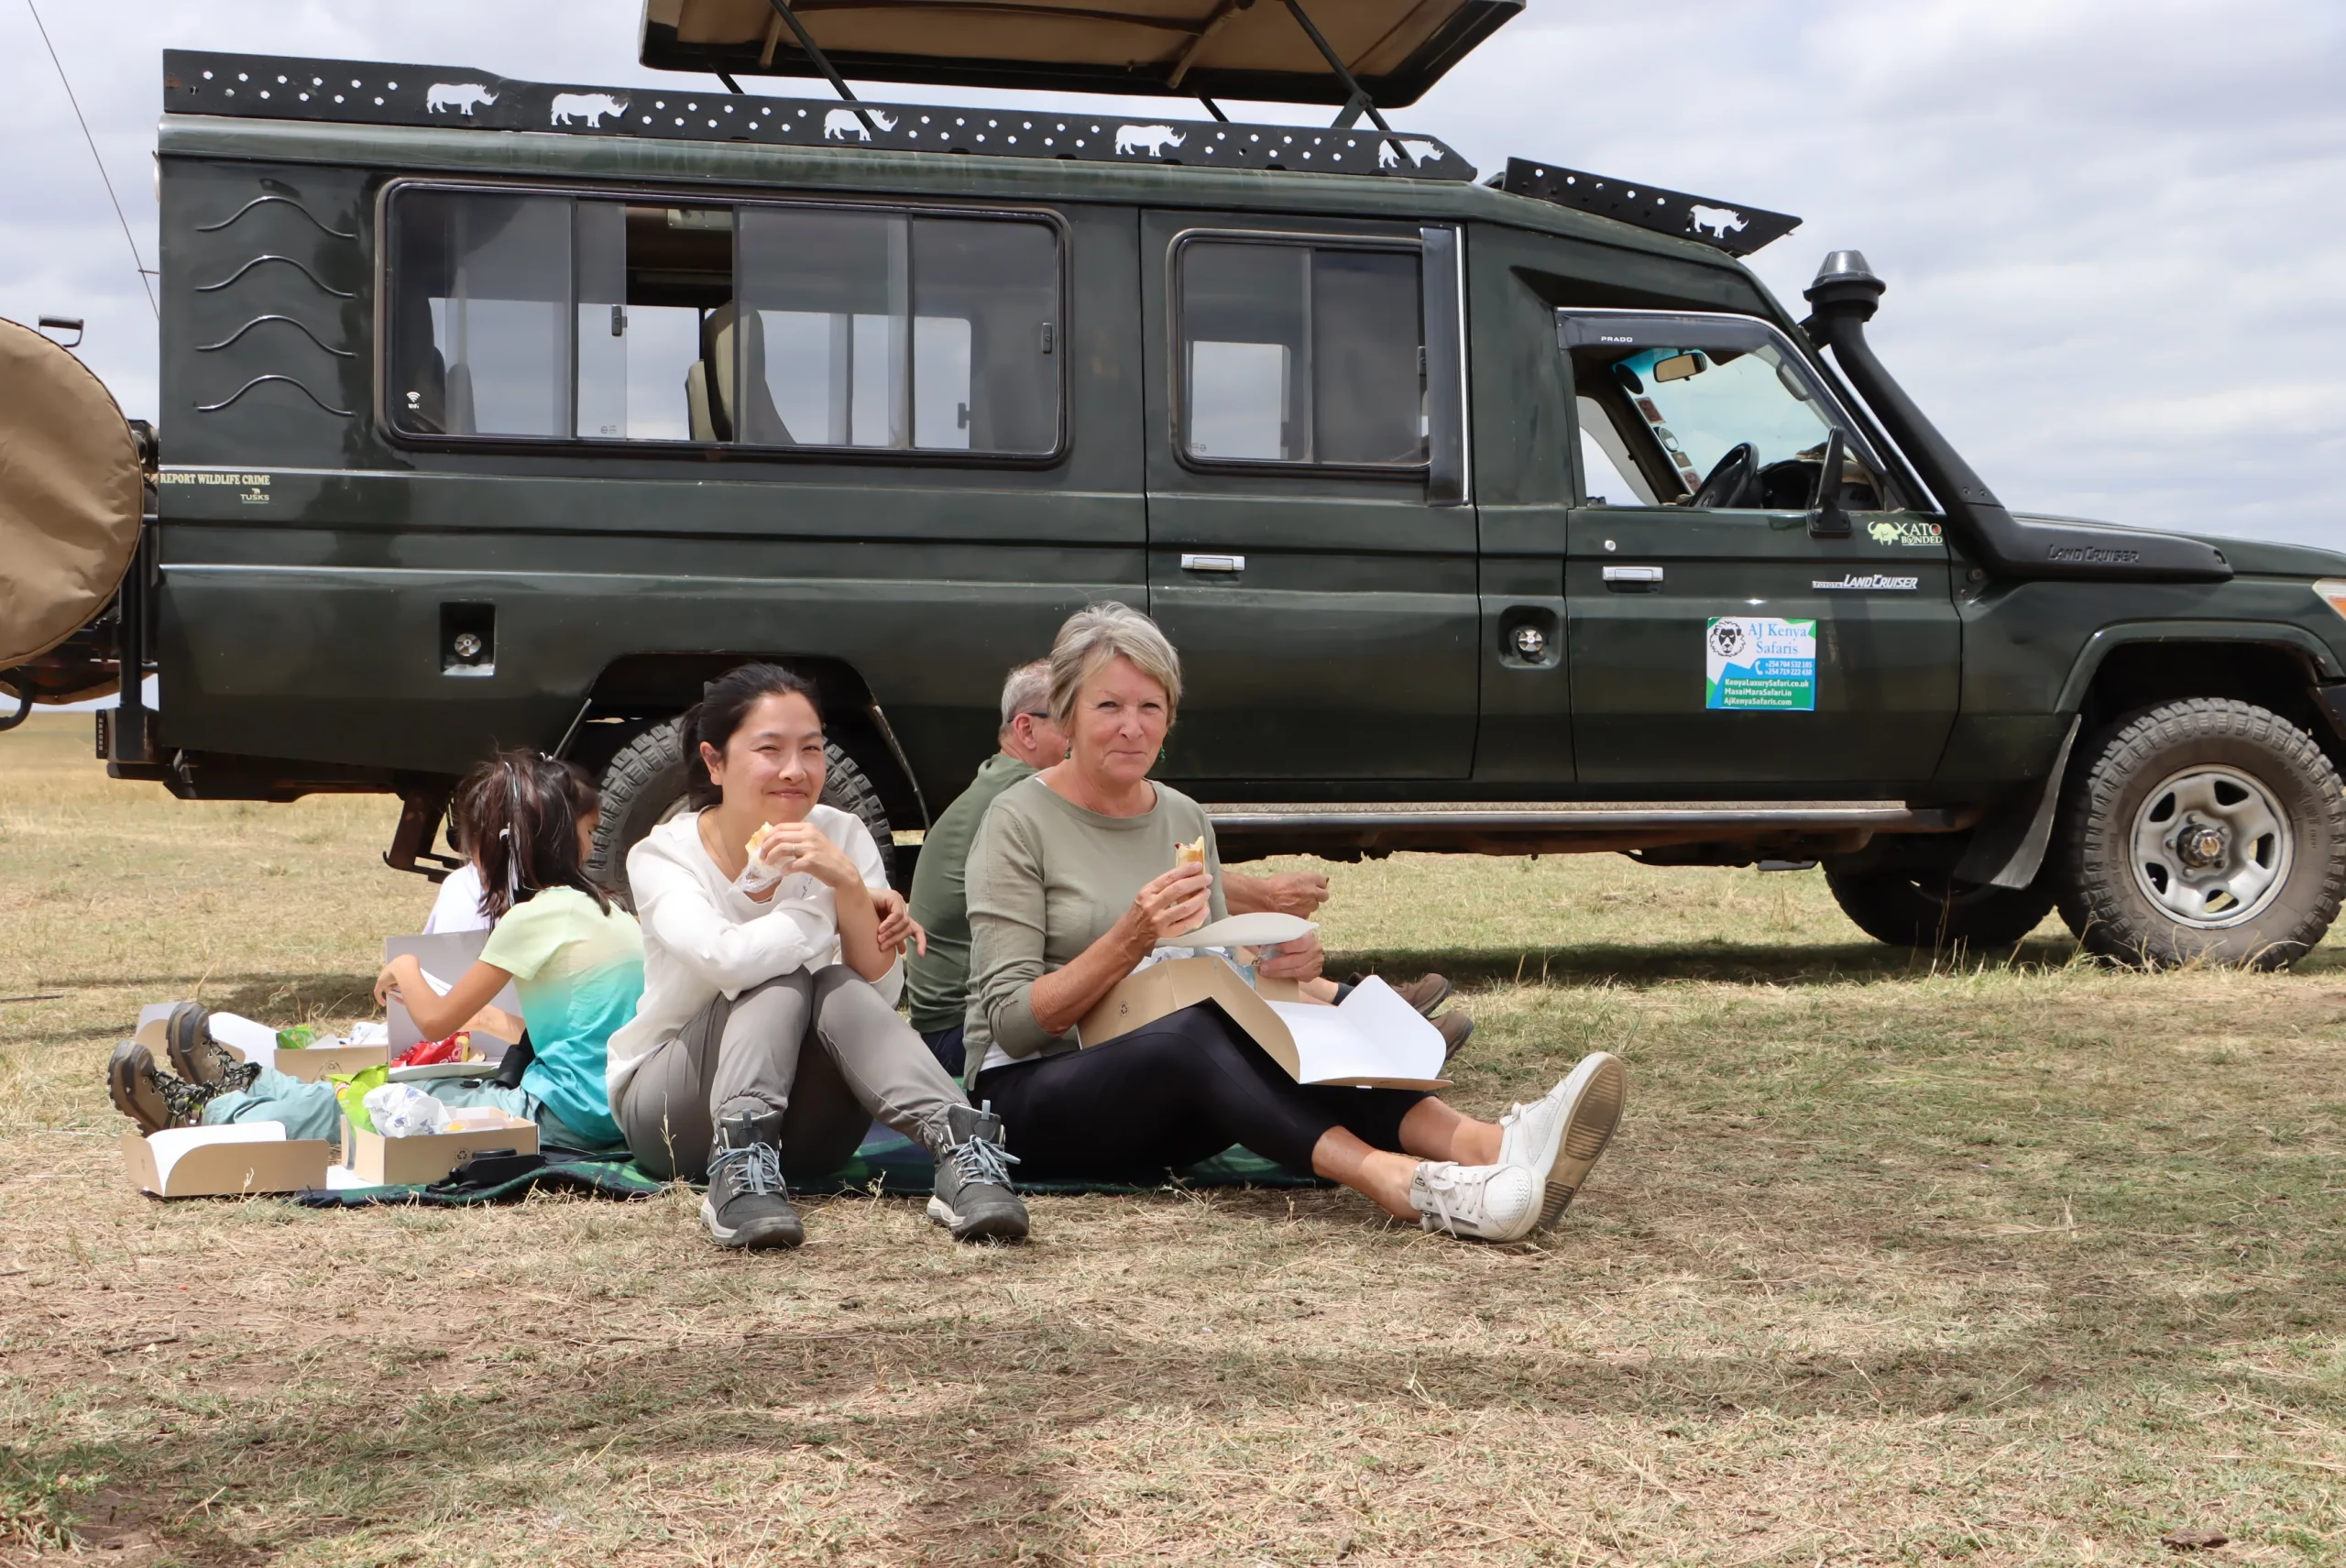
[755, 326]
[1717, 414]
[1300, 354]
[481, 334]
[875, 329]
[650, 280]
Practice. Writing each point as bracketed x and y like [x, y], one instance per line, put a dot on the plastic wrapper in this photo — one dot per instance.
[403, 1110]
[757, 876]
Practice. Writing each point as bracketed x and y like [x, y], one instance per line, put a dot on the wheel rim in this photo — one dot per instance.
[2211, 846]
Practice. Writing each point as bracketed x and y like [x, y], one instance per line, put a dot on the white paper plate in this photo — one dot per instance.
[1260, 930]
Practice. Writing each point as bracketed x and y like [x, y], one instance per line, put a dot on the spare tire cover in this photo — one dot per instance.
[70, 495]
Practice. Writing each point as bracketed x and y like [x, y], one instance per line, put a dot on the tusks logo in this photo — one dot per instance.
[1877, 582]
[1728, 640]
[1911, 530]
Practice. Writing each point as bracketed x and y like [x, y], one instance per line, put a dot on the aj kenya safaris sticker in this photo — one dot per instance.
[1757, 661]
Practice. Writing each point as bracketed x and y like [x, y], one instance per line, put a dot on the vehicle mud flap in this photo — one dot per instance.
[2008, 849]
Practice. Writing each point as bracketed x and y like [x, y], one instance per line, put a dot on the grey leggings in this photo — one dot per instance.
[822, 1048]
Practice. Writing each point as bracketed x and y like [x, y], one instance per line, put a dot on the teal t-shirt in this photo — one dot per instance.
[579, 972]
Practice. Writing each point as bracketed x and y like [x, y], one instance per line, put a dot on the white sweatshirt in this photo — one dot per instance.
[704, 939]
[458, 906]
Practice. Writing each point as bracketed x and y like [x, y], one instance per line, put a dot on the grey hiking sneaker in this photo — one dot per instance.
[746, 1205]
[973, 1199]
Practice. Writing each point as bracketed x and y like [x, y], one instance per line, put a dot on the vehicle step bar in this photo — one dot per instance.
[1246, 829]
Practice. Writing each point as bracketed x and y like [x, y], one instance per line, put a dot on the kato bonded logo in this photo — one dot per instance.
[1904, 531]
[1759, 662]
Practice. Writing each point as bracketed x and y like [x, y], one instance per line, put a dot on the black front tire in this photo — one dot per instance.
[2227, 763]
[646, 783]
[1931, 911]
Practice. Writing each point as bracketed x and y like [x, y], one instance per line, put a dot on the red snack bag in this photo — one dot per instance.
[455, 1047]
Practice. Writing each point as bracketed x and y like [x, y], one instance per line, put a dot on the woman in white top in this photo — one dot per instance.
[767, 1038]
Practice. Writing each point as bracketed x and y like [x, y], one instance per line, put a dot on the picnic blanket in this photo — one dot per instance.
[886, 1162]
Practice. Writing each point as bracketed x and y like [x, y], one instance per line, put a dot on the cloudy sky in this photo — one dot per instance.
[2114, 230]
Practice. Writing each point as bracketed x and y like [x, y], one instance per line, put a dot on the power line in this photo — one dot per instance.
[136, 260]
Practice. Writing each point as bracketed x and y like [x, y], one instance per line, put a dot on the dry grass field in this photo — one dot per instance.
[2009, 1260]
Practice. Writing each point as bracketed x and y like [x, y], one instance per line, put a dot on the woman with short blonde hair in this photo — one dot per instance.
[1098, 634]
[1075, 878]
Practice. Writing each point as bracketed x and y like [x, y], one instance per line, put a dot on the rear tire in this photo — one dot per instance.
[1932, 912]
[2209, 830]
[646, 784]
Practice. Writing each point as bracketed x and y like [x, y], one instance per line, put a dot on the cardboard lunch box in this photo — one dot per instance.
[379, 1161]
[224, 1162]
[1175, 983]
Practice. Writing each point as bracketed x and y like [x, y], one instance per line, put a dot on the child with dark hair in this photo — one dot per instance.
[574, 956]
[768, 1038]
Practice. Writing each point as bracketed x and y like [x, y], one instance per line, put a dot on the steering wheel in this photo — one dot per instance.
[1729, 481]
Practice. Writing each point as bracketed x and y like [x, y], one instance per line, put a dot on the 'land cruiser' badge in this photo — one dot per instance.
[1904, 531]
[1757, 661]
[1873, 581]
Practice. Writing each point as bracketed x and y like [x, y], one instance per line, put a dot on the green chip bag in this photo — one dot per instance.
[350, 1092]
[299, 1037]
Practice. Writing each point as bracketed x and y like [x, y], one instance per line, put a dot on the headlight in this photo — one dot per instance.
[2333, 593]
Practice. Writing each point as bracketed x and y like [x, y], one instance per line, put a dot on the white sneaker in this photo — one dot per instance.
[1558, 1136]
[1490, 1202]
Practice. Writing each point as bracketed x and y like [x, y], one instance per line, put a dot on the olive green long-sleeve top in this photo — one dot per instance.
[1046, 879]
[937, 982]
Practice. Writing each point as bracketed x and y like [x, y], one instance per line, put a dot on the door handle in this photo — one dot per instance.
[1632, 579]
[1213, 562]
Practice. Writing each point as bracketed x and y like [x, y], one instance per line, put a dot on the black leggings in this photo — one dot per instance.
[1169, 1094]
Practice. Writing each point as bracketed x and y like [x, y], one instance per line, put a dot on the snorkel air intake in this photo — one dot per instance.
[1845, 296]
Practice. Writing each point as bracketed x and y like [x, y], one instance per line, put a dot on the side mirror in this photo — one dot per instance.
[1827, 520]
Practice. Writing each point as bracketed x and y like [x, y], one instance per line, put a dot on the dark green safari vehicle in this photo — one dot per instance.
[1498, 517]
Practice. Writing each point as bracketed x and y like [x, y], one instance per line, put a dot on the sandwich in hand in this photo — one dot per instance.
[1190, 854]
[758, 839]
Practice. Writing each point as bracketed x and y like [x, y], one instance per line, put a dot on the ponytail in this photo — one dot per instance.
[524, 813]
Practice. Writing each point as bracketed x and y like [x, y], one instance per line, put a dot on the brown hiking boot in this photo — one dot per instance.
[154, 1100]
[189, 1047]
[1425, 993]
[1456, 1030]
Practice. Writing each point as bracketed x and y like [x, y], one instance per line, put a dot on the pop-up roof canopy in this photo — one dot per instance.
[1395, 50]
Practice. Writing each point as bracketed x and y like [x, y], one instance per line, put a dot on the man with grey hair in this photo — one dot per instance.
[936, 979]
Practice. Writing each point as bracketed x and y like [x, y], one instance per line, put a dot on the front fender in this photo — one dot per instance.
[2295, 640]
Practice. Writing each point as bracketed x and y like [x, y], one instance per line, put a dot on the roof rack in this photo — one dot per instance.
[1737, 230]
[440, 97]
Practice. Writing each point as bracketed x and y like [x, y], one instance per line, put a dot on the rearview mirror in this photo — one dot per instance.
[1678, 366]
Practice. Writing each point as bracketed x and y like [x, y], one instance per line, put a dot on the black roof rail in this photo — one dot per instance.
[1736, 229]
[439, 97]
